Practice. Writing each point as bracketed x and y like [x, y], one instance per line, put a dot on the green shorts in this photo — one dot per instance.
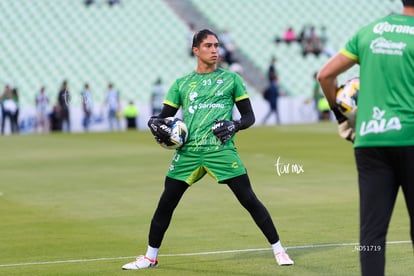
[192, 166]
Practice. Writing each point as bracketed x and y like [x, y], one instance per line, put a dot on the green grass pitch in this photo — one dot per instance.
[80, 204]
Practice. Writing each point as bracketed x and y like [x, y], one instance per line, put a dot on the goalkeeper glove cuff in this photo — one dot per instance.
[340, 117]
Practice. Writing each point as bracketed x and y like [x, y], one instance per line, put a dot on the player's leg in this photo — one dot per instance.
[378, 189]
[268, 114]
[243, 191]
[406, 178]
[173, 191]
[241, 188]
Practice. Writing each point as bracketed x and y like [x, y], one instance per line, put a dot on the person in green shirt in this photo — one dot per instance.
[131, 115]
[384, 133]
[207, 97]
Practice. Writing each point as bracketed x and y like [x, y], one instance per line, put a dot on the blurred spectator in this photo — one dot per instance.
[63, 101]
[229, 46]
[42, 103]
[323, 36]
[311, 42]
[55, 119]
[271, 95]
[190, 35]
[88, 2]
[236, 67]
[157, 96]
[86, 97]
[317, 94]
[8, 108]
[221, 62]
[289, 36]
[114, 2]
[327, 50]
[131, 115]
[272, 71]
[15, 117]
[112, 100]
[324, 109]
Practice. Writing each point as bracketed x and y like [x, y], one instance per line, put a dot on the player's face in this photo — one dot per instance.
[208, 50]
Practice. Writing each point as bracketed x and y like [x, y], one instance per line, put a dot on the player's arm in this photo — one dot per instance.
[159, 126]
[327, 77]
[247, 118]
[167, 111]
[328, 74]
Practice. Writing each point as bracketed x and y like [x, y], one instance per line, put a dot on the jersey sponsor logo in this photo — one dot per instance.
[193, 96]
[210, 105]
[193, 107]
[386, 27]
[387, 47]
[379, 124]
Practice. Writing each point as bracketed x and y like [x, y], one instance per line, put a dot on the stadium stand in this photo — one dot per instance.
[255, 25]
[132, 44]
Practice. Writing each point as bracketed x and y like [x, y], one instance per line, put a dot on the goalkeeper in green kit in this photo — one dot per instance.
[207, 97]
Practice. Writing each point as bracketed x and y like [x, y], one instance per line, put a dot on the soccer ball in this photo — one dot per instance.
[347, 98]
[179, 133]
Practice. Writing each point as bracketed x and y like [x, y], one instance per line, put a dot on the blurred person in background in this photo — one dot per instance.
[55, 119]
[8, 108]
[289, 36]
[131, 115]
[318, 96]
[113, 103]
[63, 101]
[383, 136]
[42, 106]
[15, 117]
[87, 107]
[272, 73]
[228, 45]
[271, 95]
[190, 33]
[157, 96]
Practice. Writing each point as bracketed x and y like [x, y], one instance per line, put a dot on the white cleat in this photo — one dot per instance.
[140, 263]
[282, 258]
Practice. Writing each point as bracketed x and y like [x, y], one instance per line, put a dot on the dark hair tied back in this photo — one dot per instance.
[201, 35]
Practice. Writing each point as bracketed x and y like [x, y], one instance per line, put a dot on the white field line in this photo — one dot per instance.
[196, 253]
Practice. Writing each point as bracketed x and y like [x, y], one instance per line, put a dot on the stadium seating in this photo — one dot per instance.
[132, 44]
[255, 25]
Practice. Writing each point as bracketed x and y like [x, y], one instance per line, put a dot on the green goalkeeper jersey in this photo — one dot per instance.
[385, 51]
[205, 97]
